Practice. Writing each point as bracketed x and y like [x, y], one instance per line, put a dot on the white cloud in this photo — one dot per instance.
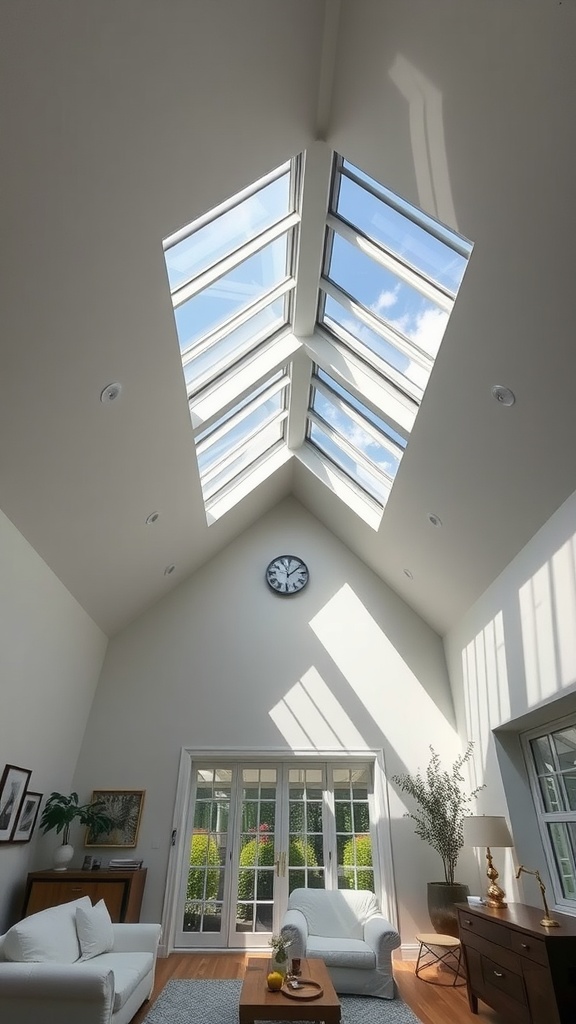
[386, 299]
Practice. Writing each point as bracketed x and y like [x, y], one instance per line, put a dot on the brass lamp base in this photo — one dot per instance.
[495, 896]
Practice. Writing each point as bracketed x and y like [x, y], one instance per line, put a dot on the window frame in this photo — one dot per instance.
[545, 817]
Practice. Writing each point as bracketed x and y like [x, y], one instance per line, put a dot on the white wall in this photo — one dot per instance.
[512, 665]
[51, 654]
[219, 662]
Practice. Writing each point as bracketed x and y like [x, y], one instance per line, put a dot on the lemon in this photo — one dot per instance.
[275, 981]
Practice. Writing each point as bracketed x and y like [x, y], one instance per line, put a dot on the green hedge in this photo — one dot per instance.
[301, 854]
[361, 857]
[203, 850]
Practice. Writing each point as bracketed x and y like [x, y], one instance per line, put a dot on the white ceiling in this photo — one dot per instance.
[121, 122]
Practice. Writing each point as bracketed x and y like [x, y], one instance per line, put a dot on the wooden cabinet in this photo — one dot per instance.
[521, 969]
[121, 891]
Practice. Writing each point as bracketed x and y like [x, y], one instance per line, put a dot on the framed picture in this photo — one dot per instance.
[124, 807]
[12, 789]
[87, 864]
[26, 821]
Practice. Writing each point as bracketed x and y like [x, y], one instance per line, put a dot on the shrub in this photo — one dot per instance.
[358, 853]
[203, 850]
[261, 850]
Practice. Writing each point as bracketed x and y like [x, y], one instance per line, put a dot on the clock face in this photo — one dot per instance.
[287, 574]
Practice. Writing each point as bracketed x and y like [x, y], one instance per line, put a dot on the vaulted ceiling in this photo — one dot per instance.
[122, 122]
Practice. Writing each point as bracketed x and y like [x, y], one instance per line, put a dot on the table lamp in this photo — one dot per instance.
[489, 830]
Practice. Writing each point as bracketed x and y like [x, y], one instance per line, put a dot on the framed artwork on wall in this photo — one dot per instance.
[26, 821]
[12, 789]
[124, 807]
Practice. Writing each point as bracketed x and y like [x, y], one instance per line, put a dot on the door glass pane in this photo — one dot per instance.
[208, 849]
[353, 840]
[306, 833]
[257, 851]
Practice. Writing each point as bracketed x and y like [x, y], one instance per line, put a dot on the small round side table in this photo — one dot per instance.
[444, 950]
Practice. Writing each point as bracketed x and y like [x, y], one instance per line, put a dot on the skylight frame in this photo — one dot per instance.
[233, 363]
[344, 443]
[401, 363]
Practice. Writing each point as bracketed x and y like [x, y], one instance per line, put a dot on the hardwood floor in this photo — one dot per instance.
[433, 1004]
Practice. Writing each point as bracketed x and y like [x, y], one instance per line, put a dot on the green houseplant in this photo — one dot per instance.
[441, 804]
[59, 813]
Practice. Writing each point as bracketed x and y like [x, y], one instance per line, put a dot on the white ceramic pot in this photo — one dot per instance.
[62, 856]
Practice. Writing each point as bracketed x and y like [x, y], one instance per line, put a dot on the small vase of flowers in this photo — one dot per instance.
[279, 961]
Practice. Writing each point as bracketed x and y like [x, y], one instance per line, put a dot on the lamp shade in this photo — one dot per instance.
[487, 830]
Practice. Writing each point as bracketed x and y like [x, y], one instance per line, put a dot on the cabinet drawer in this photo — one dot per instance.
[526, 945]
[505, 958]
[490, 930]
[496, 976]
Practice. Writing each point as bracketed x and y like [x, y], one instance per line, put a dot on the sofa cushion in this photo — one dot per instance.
[129, 970]
[341, 952]
[337, 913]
[94, 927]
[47, 937]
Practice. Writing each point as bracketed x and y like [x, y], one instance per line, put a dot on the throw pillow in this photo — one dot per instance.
[49, 936]
[94, 927]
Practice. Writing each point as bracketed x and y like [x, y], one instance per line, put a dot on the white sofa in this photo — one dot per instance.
[345, 929]
[71, 965]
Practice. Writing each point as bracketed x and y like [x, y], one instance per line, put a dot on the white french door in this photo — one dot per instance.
[256, 831]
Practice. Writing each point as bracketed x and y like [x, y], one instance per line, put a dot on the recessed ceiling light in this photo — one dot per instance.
[503, 395]
[152, 518]
[111, 392]
[169, 570]
[434, 519]
[408, 574]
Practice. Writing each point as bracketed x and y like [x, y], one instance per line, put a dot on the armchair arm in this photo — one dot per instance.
[295, 929]
[382, 937]
[136, 938]
[55, 993]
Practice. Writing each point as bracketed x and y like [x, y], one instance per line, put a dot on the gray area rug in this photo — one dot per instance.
[216, 1002]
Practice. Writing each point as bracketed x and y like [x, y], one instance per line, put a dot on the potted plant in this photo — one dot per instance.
[441, 804]
[59, 813]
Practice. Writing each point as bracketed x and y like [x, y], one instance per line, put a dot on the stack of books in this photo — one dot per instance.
[125, 864]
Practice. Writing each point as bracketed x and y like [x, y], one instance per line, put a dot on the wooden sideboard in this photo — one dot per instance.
[521, 969]
[121, 891]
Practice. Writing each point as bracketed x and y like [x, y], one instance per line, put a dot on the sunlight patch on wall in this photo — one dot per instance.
[486, 691]
[548, 609]
[311, 716]
[399, 704]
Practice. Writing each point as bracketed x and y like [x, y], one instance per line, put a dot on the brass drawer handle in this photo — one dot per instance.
[467, 921]
[524, 945]
[75, 888]
[498, 974]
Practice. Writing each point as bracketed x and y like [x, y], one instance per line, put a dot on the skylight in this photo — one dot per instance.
[388, 277]
[389, 280]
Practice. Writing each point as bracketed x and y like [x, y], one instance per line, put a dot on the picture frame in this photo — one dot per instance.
[26, 821]
[124, 806]
[87, 863]
[13, 785]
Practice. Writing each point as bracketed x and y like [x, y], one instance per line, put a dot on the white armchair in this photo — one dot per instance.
[54, 974]
[345, 929]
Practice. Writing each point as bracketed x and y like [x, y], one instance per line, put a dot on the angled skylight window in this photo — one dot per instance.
[341, 389]
[361, 443]
[231, 275]
[389, 280]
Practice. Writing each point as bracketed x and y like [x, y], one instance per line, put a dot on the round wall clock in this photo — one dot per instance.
[287, 574]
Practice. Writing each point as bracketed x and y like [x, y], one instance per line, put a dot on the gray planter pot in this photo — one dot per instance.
[441, 900]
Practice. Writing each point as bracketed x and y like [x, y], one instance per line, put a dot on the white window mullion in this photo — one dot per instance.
[401, 270]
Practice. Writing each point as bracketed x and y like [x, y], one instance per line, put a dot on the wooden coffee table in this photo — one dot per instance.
[257, 1003]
